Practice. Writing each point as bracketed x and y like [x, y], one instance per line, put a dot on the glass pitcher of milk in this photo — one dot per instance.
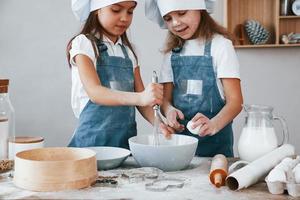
[258, 136]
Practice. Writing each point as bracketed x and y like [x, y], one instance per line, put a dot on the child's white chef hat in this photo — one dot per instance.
[82, 8]
[156, 9]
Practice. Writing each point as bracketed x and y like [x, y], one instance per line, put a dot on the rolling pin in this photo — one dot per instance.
[218, 170]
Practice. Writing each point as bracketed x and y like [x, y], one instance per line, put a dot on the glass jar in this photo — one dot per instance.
[258, 136]
[7, 127]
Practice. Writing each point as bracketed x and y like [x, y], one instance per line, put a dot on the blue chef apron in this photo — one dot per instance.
[196, 90]
[101, 125]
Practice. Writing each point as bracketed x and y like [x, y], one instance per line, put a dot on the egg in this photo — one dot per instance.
[297, 160]
[277, 175]
[289, 162]
[195, 130]
[296, 172]
[283, 167]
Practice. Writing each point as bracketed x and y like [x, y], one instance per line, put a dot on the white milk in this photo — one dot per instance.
[3, 138]
[256, 142]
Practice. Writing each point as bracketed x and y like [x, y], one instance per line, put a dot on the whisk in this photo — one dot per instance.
[158, 117]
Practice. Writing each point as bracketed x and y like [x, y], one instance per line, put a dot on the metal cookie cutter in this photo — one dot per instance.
[134, 177]
[161, 185]
[106, 181]
[140, 174]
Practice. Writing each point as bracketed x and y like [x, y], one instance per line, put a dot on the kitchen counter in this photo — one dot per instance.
[196, 186]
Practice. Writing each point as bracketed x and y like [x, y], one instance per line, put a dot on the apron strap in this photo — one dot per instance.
[124, 51]
[207, 49]
[102, 48]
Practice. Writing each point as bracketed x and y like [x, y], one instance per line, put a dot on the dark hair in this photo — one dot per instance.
[90, 29]
[207, 28]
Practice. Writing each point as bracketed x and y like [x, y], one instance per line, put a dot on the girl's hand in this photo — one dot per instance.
[172, 116]
[152, 95]
[166, 130]
[208, 126]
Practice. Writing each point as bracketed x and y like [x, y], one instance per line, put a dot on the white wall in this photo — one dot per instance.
[33, 36]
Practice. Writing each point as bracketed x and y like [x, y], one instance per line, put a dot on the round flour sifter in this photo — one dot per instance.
[54, 169]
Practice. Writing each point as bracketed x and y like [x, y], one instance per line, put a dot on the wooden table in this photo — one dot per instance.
[197, 186]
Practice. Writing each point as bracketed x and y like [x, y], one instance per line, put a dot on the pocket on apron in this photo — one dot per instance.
[191, 87]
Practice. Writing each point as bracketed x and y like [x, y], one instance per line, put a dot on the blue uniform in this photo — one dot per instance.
[101, 125]
[195, 90]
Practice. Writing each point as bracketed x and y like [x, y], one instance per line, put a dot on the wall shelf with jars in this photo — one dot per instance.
[263, 23]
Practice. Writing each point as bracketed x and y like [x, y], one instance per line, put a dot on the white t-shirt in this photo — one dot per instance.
[225, 62]
[82, 45]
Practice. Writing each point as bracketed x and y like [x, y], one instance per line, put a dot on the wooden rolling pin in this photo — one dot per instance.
[218, 170]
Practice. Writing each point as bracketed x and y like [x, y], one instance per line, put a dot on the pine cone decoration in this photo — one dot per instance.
[256, 32]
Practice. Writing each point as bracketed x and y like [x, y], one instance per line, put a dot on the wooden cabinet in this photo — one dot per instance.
[267, 12]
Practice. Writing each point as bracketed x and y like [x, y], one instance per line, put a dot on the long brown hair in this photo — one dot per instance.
[206, 30]
[90, 29]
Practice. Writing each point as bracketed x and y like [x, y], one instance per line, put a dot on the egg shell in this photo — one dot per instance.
[195, 131]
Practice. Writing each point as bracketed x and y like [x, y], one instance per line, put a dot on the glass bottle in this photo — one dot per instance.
[7, 127]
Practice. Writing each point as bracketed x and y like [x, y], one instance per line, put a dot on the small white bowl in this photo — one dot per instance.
[171, 155]
[110, 157]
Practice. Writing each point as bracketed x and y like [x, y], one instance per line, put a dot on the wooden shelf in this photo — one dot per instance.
[267, 12]
[290, 17]
[266, 46]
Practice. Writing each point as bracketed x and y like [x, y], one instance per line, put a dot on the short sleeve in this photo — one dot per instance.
[132, 57]
[225, 59]
[81, 45]
[166, 72]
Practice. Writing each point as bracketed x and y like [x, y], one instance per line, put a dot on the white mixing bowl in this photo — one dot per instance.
[171, 155]
[109, 157]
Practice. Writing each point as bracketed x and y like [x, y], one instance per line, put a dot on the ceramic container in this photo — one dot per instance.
[110, 157]
[296, 7]
[170, 155]
[24, 143]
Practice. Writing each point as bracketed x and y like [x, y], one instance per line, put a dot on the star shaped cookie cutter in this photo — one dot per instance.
[164, 184]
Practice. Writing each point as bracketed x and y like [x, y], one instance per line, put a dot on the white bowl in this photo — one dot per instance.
[110, 157]
[171, 155]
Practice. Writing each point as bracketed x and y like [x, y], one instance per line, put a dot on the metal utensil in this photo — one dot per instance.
[158, 117]
[157, 107]
[140, 174]
[164, 184]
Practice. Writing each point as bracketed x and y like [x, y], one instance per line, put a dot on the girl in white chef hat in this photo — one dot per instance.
[106, 81]
[200, 74]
